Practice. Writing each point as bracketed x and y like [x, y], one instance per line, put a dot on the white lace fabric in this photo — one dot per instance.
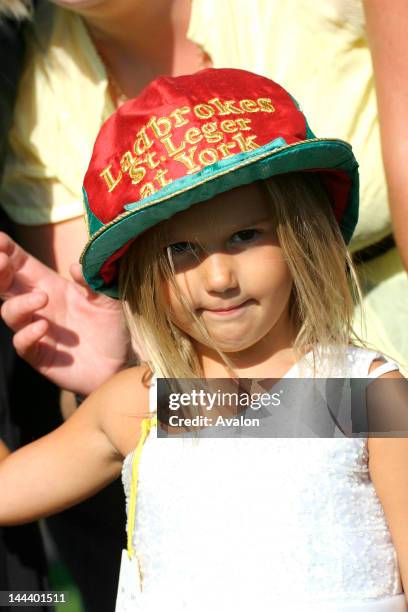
[230, 523]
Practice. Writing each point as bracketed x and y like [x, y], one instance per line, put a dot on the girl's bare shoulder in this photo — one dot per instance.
[122, 402]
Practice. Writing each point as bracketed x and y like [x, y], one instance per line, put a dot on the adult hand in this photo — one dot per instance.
[71, 335]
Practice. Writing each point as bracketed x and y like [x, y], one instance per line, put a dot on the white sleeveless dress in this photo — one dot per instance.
[256, 525]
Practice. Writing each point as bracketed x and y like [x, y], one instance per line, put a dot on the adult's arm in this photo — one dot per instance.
[387, 27]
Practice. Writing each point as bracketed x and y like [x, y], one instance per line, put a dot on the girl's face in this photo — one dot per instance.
[230, 267]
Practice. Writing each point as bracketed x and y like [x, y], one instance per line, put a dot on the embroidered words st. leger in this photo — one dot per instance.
[229, 136]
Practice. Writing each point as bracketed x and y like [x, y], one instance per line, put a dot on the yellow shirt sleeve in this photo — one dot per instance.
[62, 102]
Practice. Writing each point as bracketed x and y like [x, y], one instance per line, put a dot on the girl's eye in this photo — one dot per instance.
[247, 234]
[179, 248]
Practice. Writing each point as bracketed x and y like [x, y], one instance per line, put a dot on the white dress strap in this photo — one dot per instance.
[362, 379]
[388, 366]
[364, 359]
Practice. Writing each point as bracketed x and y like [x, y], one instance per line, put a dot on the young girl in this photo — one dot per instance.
[222, 222]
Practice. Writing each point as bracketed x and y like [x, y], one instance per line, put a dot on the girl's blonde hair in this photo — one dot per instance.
[325, 284]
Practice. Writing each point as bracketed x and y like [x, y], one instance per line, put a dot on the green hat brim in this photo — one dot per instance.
[264, 162]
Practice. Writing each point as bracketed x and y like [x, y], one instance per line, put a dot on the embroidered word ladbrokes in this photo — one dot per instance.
[160, 140]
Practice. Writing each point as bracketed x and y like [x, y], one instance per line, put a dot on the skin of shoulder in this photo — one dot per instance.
[122, 402]
[388, 467]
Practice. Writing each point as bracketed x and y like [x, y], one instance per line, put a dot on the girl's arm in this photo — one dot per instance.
[387, 26]
[388, 465]
[74, 461]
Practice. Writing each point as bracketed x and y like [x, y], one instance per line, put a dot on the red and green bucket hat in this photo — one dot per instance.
[184, 140]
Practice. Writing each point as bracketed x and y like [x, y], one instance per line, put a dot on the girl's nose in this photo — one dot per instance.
[219, 272]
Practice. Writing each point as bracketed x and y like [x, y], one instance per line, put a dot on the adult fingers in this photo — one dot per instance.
[75, 270]
[92, 296]
[26, 341]
[13, 250]
[7, 244]
[18, 311]
[12, 259]
[6, 275]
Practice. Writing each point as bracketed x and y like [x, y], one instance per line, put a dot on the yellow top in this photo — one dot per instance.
[63, 100]
[317, 50]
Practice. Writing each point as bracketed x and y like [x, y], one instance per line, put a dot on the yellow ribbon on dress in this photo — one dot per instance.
[146, 425]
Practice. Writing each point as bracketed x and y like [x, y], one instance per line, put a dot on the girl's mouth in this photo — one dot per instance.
[229, 311]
